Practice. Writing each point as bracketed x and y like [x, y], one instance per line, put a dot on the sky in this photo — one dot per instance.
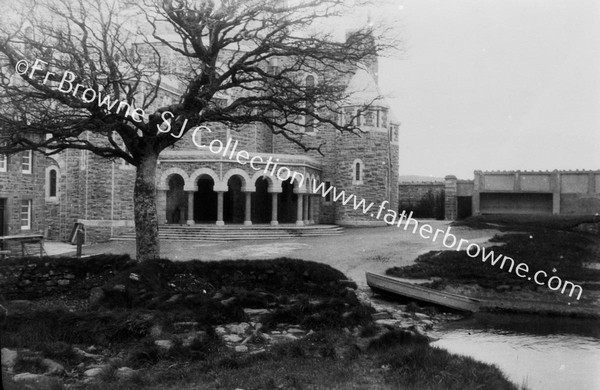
[494, 84]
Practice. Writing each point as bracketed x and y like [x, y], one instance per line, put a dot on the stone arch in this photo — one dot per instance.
[274, 183]
[297, 188]
[247, 183]
[163, 183]
[192, 184]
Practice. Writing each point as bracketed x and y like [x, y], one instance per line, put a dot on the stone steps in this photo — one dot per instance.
[238, 232]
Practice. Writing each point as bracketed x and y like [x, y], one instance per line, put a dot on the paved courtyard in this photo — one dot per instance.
[356, 251]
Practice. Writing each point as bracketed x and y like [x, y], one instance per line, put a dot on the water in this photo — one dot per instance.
[543, 353]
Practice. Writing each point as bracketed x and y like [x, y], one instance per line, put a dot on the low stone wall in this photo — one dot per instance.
[33, 278]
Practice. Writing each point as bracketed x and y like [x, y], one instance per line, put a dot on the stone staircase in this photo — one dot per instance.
[239, 232]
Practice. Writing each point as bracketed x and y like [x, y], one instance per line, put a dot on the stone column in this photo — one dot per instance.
[451, 202]
[248, 209]
[555, 186]
[306, 208]
[220, 221]
[190, 219]
[274, 220]
[299, 210]
[475, 198]
[314, 201]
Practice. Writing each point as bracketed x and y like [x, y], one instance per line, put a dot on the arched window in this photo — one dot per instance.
[357, 172]
[309, 121]
[52, 183]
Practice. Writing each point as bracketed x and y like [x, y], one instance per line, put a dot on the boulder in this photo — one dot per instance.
[52, 367]
[125, 373]
[37, 381]
[164, 344]
[93, 372]
[9, 358]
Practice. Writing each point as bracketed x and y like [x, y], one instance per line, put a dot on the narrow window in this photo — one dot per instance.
[357, 172]
[3, 162]
[26, 162]
[52, 184]
[25, 214]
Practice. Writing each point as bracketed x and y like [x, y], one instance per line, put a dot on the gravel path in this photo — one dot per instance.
[356, 251]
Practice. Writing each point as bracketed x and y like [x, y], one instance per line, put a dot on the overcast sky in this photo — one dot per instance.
[495, 84]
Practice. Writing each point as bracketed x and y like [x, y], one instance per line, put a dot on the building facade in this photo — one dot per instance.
[196, 186]
[524, 192]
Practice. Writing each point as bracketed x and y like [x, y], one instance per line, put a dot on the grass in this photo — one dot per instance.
[213, 293]
[325, 360]
[543, 243]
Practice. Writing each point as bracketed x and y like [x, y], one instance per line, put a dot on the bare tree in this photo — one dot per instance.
[89, 72]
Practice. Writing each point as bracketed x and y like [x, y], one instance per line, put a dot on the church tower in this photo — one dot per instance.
[367, 165]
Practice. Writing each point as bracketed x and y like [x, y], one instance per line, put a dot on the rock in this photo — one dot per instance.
[9, 358]
[185, 326]
[52, 367]
[422, 316]
[64, 282]
[256, 312]
[93, 372]
[228, 301]
[296, 331]
[241, 348]
[220, 330]
[125, 373]
[119, 287]
[382, 315]
[232, 338]
[156, 331]
[388, 322]
[37, 381]
[174, 299]
[240, 328]
[164, 344]
[283, 337]
[96, 295]
[503, 288]
[436, 279]
[348, 283]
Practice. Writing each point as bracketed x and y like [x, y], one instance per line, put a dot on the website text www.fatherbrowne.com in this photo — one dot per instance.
[229, 150]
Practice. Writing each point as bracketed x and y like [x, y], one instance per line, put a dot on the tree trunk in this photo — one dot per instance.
[144, 209]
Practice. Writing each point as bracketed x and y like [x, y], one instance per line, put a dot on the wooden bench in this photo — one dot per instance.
[31, 244]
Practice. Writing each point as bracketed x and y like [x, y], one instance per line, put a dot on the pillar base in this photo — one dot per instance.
[220, 223]
[190, 223]
[299, 223]
[247, 223]
[306, 222]
[274, 223]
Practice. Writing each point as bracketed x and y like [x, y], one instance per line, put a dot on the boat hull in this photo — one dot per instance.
[399, 287]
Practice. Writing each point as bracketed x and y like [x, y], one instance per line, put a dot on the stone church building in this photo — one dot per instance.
[49, 195]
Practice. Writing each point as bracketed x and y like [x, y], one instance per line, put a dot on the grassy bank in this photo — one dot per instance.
[556, 245]
[341, 347]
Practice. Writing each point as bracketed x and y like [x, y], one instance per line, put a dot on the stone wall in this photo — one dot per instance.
[412, 192]
[527, 192]
[32, 278]
[17, 186]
